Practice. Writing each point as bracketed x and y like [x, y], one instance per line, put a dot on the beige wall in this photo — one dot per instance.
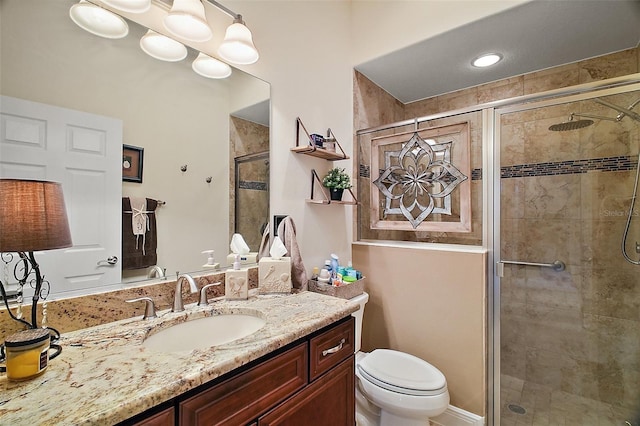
[429, 302]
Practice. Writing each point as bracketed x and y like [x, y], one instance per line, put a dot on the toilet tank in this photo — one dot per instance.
[362, 300]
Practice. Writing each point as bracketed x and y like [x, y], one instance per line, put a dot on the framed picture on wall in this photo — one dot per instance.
[132, 157]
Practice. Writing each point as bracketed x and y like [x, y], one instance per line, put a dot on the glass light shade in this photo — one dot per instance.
[187, 20]
[32, 216]
[98, 21]
[210, 67]
[132, 6]
[237, 46]
[486, 60]
[162, 47]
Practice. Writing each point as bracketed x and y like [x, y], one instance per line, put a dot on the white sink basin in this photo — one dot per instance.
[203, 332]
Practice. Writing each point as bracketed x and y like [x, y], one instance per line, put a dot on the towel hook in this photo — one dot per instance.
[183, 168]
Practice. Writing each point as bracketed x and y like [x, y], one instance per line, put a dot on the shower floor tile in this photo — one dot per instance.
[530, 404]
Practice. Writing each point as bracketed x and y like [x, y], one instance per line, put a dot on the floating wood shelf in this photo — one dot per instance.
[326, 198]
[314, 150]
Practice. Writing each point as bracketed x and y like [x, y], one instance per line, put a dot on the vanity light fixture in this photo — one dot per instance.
[237, 46]
[98, 21]
[187, 20]
[210, 67]
[132, 6]
[486, 60]
[162, 47]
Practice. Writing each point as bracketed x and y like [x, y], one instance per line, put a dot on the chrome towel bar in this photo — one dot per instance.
[557, 265]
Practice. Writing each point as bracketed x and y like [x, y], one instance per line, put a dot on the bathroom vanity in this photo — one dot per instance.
[297, 369]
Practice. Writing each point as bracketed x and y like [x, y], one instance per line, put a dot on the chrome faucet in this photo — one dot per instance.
[177, 298]
[203, 294]
[155, 272]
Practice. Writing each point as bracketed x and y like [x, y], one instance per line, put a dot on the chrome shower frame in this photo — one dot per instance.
[589, 91]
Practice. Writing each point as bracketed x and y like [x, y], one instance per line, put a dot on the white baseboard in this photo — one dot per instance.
[455, 416]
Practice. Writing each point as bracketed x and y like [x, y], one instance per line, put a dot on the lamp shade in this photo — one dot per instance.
[237, 46]
[132, 6]
[98, 21]
[210, 67]
[162, 47]
[187, 20]
[33, 216]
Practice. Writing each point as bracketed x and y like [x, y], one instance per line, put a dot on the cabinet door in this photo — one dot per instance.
[329, 401]
[243, 398]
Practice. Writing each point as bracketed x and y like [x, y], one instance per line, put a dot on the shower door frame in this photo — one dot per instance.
[491, 149]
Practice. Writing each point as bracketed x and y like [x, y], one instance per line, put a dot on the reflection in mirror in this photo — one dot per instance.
[177, 117]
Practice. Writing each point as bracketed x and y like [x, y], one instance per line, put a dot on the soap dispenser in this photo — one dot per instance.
[211, 262]
[236, 282]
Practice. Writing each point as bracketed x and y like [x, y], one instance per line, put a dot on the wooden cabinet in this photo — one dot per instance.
[312, 382]
[329, 401]
[165, 417]
[240, 399]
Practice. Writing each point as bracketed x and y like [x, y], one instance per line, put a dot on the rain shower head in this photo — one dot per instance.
[570, 125]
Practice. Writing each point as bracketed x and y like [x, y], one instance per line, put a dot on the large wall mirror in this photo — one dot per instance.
[205, 142]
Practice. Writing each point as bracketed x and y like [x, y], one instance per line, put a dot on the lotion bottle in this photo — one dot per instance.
[236, 282]
[211, 262]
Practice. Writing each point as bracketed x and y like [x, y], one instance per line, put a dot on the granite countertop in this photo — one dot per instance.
[104, 375]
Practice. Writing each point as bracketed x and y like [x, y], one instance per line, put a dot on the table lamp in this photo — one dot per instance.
[32, 218]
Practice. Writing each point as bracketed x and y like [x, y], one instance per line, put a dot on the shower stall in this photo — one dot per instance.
[566, 248]
[553, 182]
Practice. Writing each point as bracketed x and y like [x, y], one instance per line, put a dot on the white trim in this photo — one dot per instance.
[422, 246]
[455, 416]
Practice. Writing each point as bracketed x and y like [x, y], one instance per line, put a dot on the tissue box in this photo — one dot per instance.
[274, 275]
[244, 258]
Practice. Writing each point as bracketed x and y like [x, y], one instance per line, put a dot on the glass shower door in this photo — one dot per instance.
[569, 325]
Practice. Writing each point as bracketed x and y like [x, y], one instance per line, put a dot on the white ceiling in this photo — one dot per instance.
[534, 36]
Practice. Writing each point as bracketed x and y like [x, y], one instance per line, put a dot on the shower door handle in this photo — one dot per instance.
[557, 265]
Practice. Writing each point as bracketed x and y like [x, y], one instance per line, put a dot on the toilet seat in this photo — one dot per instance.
[402, 373]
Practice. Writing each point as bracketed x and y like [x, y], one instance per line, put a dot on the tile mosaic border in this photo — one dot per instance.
[552, 168]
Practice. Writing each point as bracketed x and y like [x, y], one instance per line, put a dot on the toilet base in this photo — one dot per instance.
[389, 419]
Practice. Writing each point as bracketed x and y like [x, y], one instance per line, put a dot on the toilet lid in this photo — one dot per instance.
[401, 372]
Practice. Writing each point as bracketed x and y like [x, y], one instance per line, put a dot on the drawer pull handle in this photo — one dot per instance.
[334, 349]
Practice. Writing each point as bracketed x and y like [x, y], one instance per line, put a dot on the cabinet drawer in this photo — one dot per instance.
[330, 348]
[244, 397]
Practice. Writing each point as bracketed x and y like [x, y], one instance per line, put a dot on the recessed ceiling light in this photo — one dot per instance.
[486, 60]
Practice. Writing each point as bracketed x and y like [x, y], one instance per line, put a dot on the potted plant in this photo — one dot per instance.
[337, 181]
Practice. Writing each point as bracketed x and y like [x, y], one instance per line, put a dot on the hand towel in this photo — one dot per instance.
[287, 233]
[133, 255]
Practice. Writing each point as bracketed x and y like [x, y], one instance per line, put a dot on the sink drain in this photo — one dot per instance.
[514, 408]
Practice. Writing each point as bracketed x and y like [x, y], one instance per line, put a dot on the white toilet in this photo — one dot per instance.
[394, 388]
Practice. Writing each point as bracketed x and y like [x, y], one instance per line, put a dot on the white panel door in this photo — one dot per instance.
[83, 152]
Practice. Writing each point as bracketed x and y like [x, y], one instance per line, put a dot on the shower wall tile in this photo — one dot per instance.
[513, 206]
[553, 78]
[541, 145]
[613, 65]
[606, 195]
[612, 292]
[601, 242]
[553, 197]
[372, 105]
[566, 240]
[458, 100]
[502, 89]
[512, 144]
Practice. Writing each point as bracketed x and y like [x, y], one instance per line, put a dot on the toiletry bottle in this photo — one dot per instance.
[211, 262]
[314, 275]
[236, 282]
[327, 266]
[334, 266]
[350, 271]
